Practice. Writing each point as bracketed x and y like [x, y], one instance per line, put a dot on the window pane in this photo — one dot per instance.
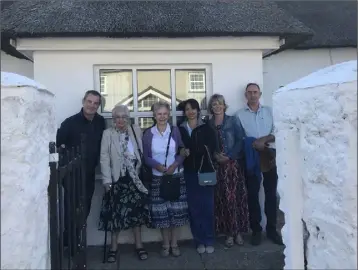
[145, 122]
[191, 84]
[153, 85]
[116, 87]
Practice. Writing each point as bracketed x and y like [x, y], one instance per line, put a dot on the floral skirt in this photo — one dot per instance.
[231, 206]
[166, 214]
[123, 207]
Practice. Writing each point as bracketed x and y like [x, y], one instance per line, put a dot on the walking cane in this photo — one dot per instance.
[109, 193]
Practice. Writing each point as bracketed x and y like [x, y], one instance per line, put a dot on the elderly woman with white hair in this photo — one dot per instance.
[124, 202]
[168, 205]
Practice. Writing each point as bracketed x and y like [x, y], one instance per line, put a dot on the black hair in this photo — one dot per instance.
[93, 93]
[194, 104]
[252, 84]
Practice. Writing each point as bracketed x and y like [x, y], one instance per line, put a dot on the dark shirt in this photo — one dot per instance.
[70, 132]
[200, 136]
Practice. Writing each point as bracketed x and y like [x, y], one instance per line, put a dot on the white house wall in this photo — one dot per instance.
[70, 73]
[288, 66]
[16, 65]
[73, 72]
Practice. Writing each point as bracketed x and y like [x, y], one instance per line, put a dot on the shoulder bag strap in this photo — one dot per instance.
[136, 141]
[166, 154]
[209, 157]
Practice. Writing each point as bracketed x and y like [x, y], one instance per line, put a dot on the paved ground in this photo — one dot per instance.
[265, 256]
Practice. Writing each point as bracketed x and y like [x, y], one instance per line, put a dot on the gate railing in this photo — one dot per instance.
[67, 205]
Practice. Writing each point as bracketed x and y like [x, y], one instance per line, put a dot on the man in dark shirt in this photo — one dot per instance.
[92, 125]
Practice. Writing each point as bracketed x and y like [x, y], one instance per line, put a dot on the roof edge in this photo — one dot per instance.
[10, 50]
[290, 43]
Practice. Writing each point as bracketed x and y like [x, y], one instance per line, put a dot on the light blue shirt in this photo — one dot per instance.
[256, 124]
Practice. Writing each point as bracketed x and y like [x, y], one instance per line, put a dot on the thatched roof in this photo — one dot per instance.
[66, 18]
[334, 22]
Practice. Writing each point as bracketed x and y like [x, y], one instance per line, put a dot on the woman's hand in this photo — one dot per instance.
[161, 168]
[185, 152]
[107, 187]
[221, 158]
[171, 169]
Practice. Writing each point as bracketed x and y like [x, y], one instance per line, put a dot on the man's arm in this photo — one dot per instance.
[271, 137]
[63, 134]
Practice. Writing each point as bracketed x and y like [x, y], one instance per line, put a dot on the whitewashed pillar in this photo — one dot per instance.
[317, 167]
[27, 126]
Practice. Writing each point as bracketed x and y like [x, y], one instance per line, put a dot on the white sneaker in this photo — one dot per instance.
[200, 249]
[209, 249]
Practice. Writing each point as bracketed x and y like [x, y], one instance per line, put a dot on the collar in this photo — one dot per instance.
[212, 120]
[249, 109]
[120, 131]
[156, 131]
[84, 118]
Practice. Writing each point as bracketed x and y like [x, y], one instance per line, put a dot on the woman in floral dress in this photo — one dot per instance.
[124, 203]
[231, 208]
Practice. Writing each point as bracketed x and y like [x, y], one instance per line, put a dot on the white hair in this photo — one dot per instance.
[160, 104]
[120, 109]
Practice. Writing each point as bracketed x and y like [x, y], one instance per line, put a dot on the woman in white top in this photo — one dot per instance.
[168, 205]
[124, 202]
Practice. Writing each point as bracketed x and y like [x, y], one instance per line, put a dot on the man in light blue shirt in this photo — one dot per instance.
[257, 122]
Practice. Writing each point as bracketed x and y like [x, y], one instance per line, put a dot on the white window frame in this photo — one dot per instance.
[174, 113]
[191, 90]
[104, 85]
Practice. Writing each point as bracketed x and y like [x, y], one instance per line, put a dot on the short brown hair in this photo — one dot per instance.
[93, 93]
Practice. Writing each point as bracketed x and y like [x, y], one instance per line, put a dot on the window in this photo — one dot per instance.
[145, 122]
[197, 82]
[103, 84]
[140, 87]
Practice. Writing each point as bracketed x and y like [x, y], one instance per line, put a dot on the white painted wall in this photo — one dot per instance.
[16, 65]
[291, 65]
[27, 127]
[73, 74]
[316, 143]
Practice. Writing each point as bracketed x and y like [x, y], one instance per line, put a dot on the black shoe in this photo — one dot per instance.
[256, 238]
[275, 238]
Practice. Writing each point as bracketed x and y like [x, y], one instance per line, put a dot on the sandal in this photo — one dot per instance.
[112, 256]
[239, 240]
[165, 251]
[142, 254]
[176, 251]
[229, 242]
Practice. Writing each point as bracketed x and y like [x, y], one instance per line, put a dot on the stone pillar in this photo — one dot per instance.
[316, 142]
[27, 126]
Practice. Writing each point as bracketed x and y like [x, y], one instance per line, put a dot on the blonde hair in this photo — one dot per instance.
[220, 99]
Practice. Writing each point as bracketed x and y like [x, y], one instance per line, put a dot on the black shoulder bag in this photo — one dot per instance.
[145, 174]
[169, 189]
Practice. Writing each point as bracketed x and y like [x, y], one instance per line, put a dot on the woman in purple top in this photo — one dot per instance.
[165, 215]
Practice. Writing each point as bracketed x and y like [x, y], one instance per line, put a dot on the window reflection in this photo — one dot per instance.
[116, 87]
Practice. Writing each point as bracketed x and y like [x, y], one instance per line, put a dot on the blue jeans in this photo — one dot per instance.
[201, 210]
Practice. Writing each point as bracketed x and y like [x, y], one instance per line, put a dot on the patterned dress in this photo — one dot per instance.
[231, 208]
[123, 207]
[166, 214]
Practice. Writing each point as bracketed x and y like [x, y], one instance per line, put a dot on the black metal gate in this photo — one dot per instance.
[67, 207]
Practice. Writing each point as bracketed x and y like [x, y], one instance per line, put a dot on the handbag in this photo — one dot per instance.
[169, 188]
[209, 178]
[145, 173]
